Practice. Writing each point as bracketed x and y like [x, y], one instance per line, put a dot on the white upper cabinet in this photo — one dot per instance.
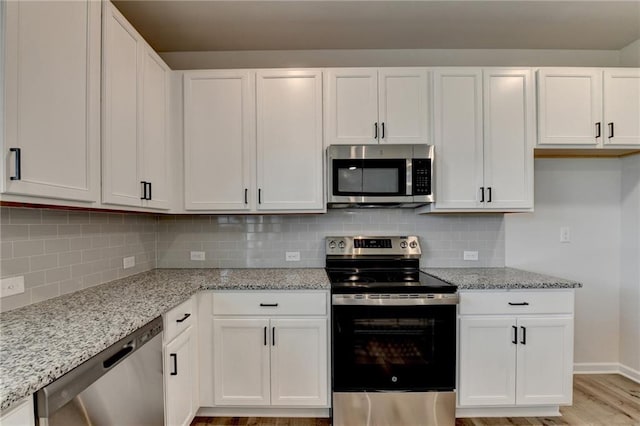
[569, 106]
[458, 138]
[351, 106]
[509, 138]
[135, 106]
[51, 62]
[588, 107]
[484, 133]
[376, 105]
[154, 139]
[289, 140]
[621, 106]
[219, 140]
[253, 141]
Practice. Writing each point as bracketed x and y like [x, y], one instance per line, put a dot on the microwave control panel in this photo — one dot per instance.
[421, 176]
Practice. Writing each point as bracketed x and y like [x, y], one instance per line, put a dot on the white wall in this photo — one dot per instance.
[583, 194]
[390, 57]
[630, 55]
[630, 266]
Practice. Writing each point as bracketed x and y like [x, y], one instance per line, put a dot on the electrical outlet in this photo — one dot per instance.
[11, 286]
[470, 255]
[129, 262]
[565, 236]
[197, 255]
[292, 256]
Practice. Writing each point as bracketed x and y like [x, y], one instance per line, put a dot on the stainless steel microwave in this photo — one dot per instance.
[379, 175]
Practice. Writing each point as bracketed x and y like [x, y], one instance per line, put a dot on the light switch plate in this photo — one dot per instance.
[129, 262]
[197, 255]
[292, 256]
[470, 255]
[11, 286]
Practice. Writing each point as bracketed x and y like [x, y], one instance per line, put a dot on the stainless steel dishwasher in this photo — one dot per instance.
[120, 386]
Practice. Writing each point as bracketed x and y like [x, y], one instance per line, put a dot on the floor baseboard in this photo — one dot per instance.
[606, 368]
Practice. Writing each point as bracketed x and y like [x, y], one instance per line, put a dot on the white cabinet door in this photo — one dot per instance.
[22, 414]
[121, 180]
[154, 138]
[545, 361]
[570, 106]
[241, 361]
[487, 369]
[299, 373]
[509, 138]
[289, 140]
[403, 105]
[458, 138]
[180, 376]
[219, 140]
[52, 99]
[621, 106]
[351, 106]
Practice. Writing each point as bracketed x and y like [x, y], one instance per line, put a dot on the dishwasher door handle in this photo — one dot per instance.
[121, 354]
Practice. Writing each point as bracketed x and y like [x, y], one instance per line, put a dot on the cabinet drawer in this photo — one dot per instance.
[516, 302]
[270, 303]
[178, 319]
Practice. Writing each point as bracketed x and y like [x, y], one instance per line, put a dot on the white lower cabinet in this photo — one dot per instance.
[265, 356]
[22, 414]
[516, 350]
[180, 365]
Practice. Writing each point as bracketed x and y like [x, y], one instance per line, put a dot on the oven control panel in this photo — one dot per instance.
[366, 245]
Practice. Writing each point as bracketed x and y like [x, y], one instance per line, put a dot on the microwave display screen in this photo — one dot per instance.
[370, 177]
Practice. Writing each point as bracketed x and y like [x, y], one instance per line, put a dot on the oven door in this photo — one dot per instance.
[394, 348]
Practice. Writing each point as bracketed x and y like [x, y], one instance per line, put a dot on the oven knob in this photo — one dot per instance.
[341, 244]
[413, 244]
[332, 244]
[394, 379]
[403, 244]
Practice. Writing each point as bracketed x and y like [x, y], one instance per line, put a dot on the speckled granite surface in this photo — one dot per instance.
[41, 342]
[498, 278]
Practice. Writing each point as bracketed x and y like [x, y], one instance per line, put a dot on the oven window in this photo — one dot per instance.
[393, 348]
[369, 177]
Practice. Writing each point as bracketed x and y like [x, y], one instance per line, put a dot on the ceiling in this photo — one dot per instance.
[206, 25]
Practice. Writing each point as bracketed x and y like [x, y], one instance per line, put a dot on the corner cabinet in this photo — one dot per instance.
[253, 141]
[515, 352]
[270, 349]
[135, 108]
[51, 132]
[588, 107]
[180, 364]
[484, 124]
[376, 105]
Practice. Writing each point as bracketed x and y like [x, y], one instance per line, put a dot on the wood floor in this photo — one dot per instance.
[598, 400]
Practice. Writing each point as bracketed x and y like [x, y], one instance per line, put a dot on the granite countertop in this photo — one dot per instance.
[498, 279]
[41, 342]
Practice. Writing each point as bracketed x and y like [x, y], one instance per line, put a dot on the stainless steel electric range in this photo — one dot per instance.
[393, 334]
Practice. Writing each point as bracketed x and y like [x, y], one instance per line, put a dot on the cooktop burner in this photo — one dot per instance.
[379, 265]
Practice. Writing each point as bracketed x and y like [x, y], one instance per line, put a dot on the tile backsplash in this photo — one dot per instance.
[262, 241]
[60, 251]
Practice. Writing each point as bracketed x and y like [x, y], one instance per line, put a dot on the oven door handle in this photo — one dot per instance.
[394, 299]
